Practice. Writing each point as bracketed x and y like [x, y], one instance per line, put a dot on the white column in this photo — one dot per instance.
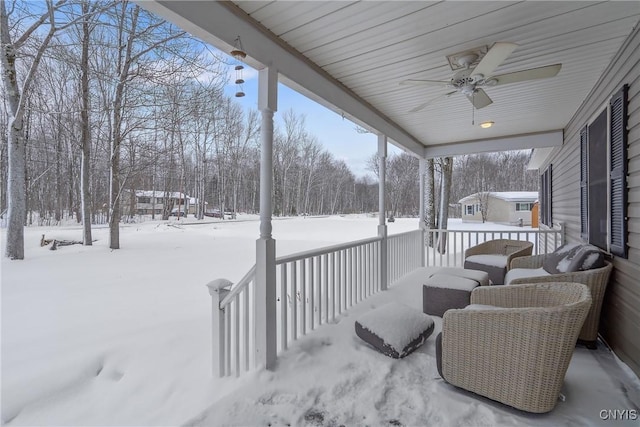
[265, 292]
[382, 226]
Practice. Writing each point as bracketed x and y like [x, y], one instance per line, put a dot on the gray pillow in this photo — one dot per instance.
[586, 258]
[572, 257]
[557, 261]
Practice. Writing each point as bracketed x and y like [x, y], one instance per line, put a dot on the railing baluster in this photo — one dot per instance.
[294, 301]
[334, 278]
[236, 309]
[246, 330]
[303, 297]
[283, 306]
[325, 283]
[227, 347]
[312, 288]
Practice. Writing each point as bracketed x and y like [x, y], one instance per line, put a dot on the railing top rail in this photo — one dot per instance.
[405, 233]
[238, 287]
[326, 250]
[525, 230]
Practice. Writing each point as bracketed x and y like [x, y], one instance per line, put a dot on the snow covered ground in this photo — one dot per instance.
[92, 336]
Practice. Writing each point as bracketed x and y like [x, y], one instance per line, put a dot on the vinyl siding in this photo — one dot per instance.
[620, 322]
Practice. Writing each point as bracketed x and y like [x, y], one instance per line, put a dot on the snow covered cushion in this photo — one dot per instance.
[572, 257]
[451, 282]
[519, 273]
[394, 329]
[479, 276]
[489, 260]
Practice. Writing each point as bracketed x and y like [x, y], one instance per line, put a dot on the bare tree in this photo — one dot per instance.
[16, 97]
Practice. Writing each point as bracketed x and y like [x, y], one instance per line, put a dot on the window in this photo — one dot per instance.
[546, 214]
[469, 209]
[524, 206]
[603, 188]
[144, 200]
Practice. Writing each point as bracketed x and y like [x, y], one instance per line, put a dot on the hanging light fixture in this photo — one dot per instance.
[239, 54]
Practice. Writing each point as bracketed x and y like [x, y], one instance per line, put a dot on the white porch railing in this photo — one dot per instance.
[405, 253]
[455, 242]
[313, 288]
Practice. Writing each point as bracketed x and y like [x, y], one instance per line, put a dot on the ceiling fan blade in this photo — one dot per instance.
[496, 55]
[530, 74]
[431, 101]
[424, 83]
[479, 99]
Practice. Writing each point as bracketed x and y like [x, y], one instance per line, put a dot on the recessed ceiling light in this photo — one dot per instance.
[485, 125]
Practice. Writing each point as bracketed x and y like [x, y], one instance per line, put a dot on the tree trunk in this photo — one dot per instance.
[85, 165]
[115, 187]
[447, 168]
[430, 201]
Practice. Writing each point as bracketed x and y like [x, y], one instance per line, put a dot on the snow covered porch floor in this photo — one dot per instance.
[331, 377]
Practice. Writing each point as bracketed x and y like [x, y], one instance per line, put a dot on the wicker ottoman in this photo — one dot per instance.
[442, 292]
[394, 329]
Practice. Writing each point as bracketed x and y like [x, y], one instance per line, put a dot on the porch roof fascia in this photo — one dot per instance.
[512, 142]
[226, 22]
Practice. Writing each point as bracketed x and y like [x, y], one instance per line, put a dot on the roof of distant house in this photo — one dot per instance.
[157, 193]
[509, 196]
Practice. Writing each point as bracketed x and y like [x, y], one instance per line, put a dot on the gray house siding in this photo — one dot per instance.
[620, 324]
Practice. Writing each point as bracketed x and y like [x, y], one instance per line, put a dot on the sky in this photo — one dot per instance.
[336, 134]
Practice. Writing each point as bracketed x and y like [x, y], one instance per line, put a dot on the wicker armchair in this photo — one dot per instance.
[595, 279]
[517, 354]
[494, 256]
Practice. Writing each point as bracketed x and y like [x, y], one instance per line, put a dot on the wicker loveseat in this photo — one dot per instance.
[494, 256]
[530, 270]
[516, 346]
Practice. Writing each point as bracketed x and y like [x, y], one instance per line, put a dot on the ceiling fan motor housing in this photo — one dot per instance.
[464, 81]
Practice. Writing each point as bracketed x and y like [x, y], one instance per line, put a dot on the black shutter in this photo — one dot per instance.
[584, 185]
[549, 197]
[618, 176]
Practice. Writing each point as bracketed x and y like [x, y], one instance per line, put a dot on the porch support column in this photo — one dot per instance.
[382, 226]
[265, 291]
[421, 223]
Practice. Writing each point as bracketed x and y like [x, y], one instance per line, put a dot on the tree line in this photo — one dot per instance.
[101, 98]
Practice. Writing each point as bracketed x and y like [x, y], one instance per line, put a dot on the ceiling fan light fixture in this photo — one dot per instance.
[486, 125]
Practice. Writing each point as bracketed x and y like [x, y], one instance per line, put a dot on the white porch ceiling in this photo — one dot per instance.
[351, 57]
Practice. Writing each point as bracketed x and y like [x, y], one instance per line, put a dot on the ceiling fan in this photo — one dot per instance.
[470, 81]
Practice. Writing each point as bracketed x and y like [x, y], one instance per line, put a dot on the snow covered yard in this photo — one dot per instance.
[98, 337]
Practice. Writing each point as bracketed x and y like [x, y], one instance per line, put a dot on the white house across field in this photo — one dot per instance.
[503, 207]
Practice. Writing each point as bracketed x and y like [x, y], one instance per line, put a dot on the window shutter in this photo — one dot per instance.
[618, 176]
[549, 197]
[584, 185]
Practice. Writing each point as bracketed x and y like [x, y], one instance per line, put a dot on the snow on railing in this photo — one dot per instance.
[312, 288]
[446, 247]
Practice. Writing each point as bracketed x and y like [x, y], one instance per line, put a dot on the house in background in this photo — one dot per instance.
[148, 202]
[502, 207]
